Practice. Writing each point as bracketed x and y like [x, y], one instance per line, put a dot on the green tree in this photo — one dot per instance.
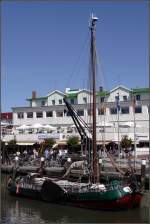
[49, 142]
[12, 143]
[2, 144]
[126, 143]
[73, 143]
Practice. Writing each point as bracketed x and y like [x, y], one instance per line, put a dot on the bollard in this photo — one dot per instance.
[99, 168]
[143, 173]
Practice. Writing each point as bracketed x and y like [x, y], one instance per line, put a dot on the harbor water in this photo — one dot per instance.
[17, 210]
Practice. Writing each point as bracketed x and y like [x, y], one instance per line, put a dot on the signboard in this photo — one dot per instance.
[46, 135]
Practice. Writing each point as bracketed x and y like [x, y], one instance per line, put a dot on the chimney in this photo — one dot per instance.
[33, 94]
[101, 89]
[67, 90]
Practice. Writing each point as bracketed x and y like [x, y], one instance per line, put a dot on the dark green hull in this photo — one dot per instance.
[114, 199]
[110, 200]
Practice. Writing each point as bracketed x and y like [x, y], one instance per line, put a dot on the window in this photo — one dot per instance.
[60, 101]
[72, 101]
[138, 97]
[49, 114]
[68, 114]
[138, 110]
[89, 112]
[39, 114]
[80, 112]
[42, 103]
[84, 99]
[125, 110]
[30, 115]
[20, 115]
[59, 113]
[113, 110]
[101, 111]
[102, 99]
[116, 98]
[124, 98]
[53, 102]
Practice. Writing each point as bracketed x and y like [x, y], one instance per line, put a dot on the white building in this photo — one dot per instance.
[51, 110]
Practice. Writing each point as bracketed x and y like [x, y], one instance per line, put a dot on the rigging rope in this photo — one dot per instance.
[78, 62]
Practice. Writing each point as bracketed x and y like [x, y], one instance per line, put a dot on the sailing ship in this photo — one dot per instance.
[114, 195]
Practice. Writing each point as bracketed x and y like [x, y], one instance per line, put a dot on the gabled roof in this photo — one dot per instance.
[120, 87]
[56, 91]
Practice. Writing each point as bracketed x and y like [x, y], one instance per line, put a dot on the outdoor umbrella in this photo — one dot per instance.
[23, 127]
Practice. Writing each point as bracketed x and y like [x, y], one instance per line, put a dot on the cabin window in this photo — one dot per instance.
[49, 114]
[59, 113]
[85, 99]
[60, 101]
[29, 114]
[113, 110]
[138, 109]
[20, 115]
[124, 98]
[80, 112]
[125, 110]
[42, 103]
[39, 114]
[53, 102]
[138, 97]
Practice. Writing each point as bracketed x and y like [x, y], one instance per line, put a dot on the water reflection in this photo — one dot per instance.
[24, 211]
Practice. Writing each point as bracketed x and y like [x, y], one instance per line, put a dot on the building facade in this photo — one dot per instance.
[120, 111]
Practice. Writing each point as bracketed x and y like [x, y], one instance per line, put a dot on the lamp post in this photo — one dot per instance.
[99, 167]
[42, 161]
[41, 169]
[16, 161]
[143, 172]
[3, 153]
[15, 167]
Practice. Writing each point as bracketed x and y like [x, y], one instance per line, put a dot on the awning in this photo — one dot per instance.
[36, 126]
[25, 143]
[49, 127]
[23, 127]
[129, 124]
[104, 124]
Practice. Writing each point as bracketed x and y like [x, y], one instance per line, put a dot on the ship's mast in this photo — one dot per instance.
[93, 74]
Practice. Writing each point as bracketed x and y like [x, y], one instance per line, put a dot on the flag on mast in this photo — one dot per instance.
[103, 108]
[118, 103]
[134, 103]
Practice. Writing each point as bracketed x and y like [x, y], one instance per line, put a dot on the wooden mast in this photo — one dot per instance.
[93, 74]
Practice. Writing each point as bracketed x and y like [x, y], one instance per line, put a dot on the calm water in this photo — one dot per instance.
[26, 211]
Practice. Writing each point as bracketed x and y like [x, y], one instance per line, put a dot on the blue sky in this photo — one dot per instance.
[45, 46]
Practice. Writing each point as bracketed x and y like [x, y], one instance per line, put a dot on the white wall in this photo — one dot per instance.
[122, 92]
[81, 95]
[55, 96]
